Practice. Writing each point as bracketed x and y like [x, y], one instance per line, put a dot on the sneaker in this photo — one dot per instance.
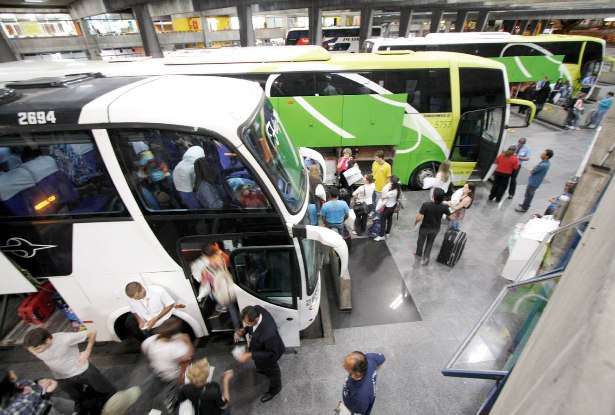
[379, 238]
[387, 236]
[520, 209]
[510, 196]
[591, 126]
[354, 233]
[577, 129]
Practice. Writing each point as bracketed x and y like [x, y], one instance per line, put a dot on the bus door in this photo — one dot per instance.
[477, 144]
[268, 276]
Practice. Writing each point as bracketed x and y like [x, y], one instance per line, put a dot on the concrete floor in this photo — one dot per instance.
[450, 302]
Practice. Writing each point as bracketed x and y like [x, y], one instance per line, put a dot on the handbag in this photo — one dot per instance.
[360, 209]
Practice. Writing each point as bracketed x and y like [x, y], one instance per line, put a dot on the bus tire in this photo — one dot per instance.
[421, 173]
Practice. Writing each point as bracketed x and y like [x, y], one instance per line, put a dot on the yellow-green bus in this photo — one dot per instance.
[527, 58]
[419, 108]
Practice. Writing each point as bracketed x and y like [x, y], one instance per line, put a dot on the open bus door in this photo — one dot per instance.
[267, 276]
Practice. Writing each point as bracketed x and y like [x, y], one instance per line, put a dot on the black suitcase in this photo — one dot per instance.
[452, 247]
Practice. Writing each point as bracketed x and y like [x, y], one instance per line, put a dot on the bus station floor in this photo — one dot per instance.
[439, 307]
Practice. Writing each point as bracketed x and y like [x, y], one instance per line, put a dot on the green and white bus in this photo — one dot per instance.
[527, 58]
[419, 108]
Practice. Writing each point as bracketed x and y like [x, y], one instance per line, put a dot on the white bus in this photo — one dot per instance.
[88, 201]
[334, 39]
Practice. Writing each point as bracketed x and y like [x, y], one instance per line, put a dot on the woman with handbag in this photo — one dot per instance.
[363, 203]
[461, 200]
[215, 281]
[389, 198]
[575, 113]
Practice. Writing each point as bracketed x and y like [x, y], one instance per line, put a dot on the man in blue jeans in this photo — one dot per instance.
[537, 175]
[334, 212]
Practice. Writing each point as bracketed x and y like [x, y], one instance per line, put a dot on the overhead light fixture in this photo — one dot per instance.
[33, 1]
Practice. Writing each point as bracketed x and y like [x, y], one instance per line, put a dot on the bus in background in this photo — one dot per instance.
[335, 39]
[527, 58]
[89, 200]
[419, 108]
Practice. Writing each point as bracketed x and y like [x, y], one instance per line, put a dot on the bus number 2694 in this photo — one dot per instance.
[36, 117]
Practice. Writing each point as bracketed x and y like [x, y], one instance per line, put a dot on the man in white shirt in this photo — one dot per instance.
[151, 306]
[59, 351]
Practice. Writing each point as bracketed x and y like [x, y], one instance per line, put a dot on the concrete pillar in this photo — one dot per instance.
[315, 18]
[151, 44]
[436, 17]
[246, 30]
[204, 28]
[509, 25]
[366, 25]
[460, 21]
[88, 40]
[483, 19]
[405, 18]
[523, 25]
[7, 54]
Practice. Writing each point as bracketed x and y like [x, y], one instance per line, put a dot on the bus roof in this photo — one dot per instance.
[208, 63]
[215, 103]
[479, 37]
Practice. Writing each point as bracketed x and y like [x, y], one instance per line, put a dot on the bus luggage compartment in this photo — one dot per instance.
[37, 307]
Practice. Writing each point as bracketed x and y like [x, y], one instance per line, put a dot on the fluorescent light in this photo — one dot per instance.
[33, 1]
[396, 302]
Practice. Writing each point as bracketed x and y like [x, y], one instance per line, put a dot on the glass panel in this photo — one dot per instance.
[593, 52]
[174, 170]
[313, 259]
[342, 84]
[481, 88]
[266, 138]
[54, 173]
[293, 84]
[504, 331]
[478, 132]
[266, 273]
[429, 90]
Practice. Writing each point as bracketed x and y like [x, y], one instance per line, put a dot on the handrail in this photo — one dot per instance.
[545, 241]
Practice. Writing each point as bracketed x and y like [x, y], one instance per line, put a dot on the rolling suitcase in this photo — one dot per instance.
[452, 247]
[37, 307]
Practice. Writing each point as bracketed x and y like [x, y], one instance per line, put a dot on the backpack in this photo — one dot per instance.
[374, 230]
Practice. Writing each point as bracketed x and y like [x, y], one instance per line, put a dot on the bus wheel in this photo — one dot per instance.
[421, 173]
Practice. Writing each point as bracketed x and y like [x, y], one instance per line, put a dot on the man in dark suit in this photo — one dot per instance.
[266, 346]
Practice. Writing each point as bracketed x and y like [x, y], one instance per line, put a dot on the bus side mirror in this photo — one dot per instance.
[529, 110]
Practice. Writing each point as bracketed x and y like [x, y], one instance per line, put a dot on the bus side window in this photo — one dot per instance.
[175, 170]
[294, 84]
[56, 173]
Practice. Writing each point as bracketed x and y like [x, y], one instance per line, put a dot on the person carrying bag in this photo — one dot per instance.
[363, 203]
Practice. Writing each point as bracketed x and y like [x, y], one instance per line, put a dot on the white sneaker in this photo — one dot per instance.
[379, 238]
[387, 236]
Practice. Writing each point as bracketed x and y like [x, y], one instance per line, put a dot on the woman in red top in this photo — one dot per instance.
[507, 162]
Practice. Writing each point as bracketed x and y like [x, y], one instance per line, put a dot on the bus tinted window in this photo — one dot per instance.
[570, 50]
[593, 52]
[342, 84]
[174, 170]
[54, 173]
[481, 88]
[429, 90]
[490, 50]
[293, 84]
[267, 140]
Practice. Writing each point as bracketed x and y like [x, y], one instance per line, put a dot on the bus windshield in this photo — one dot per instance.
[267, 139]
